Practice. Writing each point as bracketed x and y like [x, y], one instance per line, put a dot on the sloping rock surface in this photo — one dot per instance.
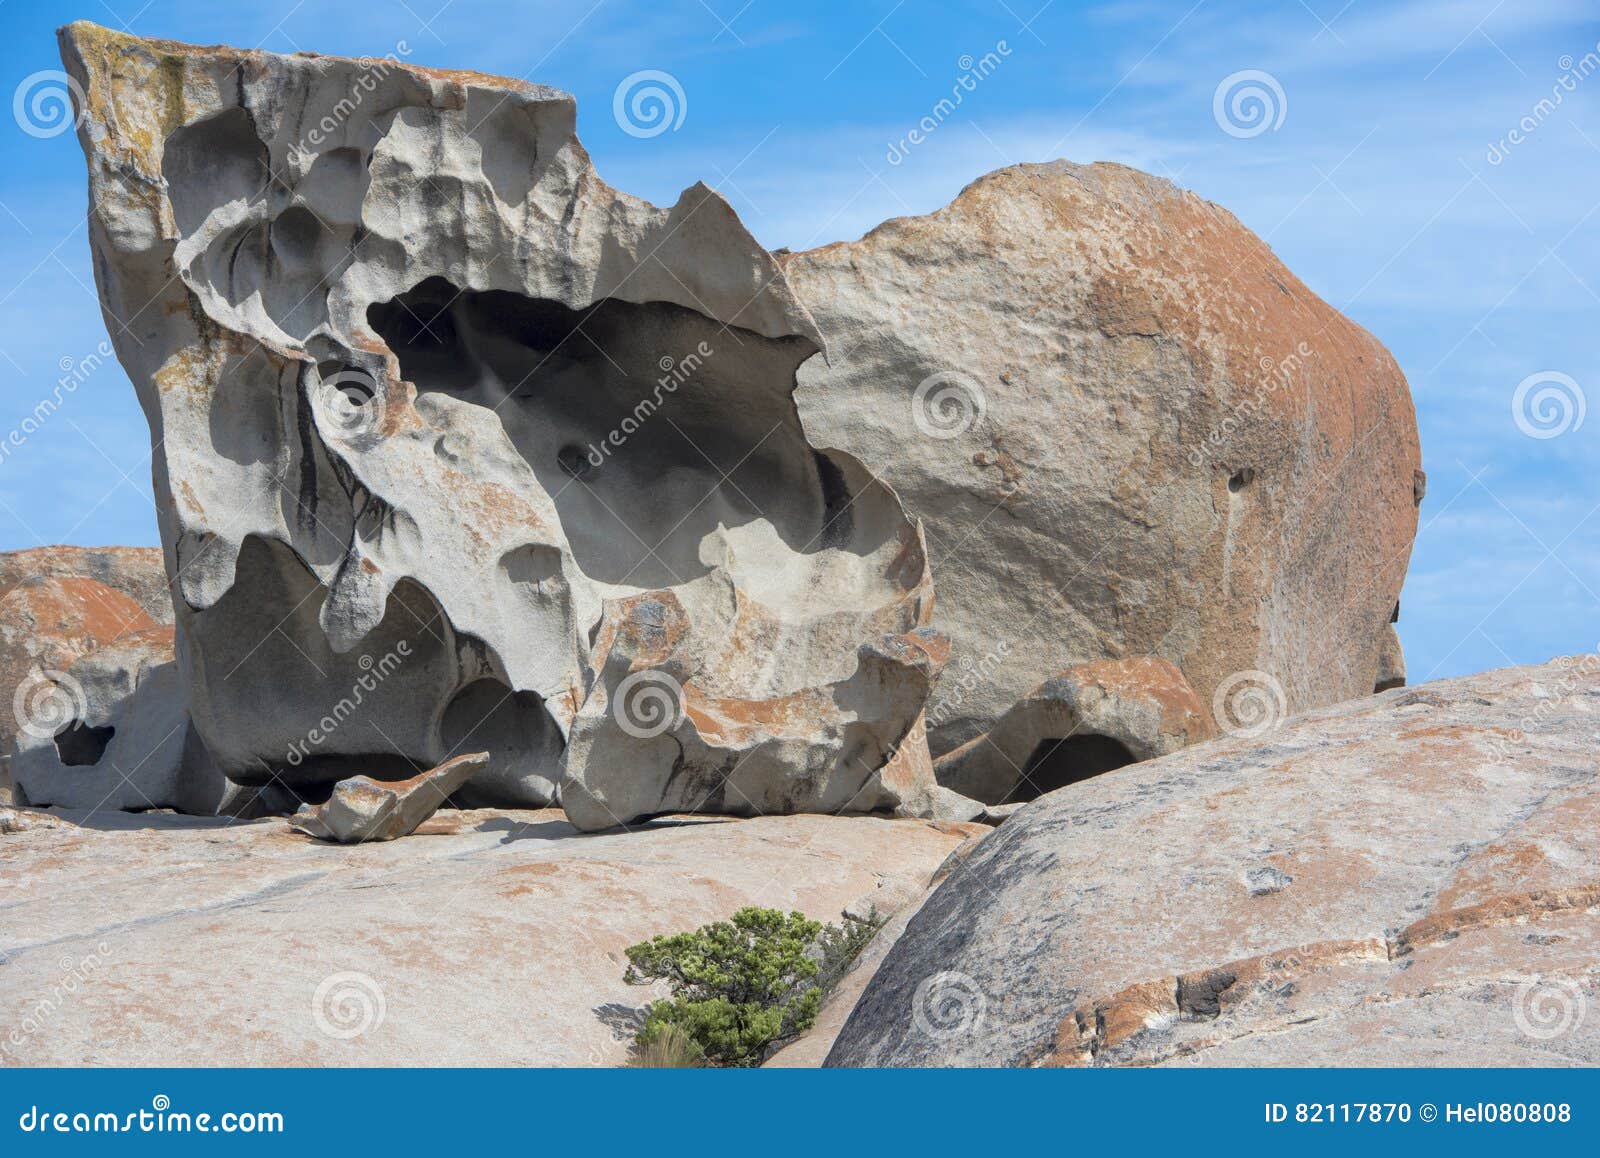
[1410, 879]
[487, 938]
[1129, 431]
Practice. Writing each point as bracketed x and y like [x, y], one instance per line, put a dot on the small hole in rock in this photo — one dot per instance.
[1241, 479]
[573, 459]
[1056, 763]
[423, 326]
[79, 745]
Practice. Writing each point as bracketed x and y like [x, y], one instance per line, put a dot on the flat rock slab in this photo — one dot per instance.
[1407, 879]
[487, 938]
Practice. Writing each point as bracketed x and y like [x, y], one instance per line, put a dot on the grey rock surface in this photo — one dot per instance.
[1407, 879]
[1391, 662]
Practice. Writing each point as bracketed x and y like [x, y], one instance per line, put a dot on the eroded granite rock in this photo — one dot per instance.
[124, 740]
[1406, 879]
[46, 623]
[428, 397]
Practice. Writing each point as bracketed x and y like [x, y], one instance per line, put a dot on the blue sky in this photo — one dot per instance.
[1387, 186]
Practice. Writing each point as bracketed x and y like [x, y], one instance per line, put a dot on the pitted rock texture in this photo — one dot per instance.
[1089, 719]
[1409, 879]
[486, 938]
[686, 749]
[362, 809]
[1129, 430]
[430, 397]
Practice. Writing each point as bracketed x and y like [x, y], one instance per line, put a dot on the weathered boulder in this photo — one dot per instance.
[125, 741]
[56, 604]
[362, 809]
[810, 1049]
[1129, 431]
[680, 749]
[488, 938]
[1409, 879]
[45, 624]
[429, 398]
[137, 572]
[1089, 719]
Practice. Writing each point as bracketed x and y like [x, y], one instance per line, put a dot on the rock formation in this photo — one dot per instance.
[454, 441]
[1408, 879]
[47, 622]
[459, 448]
[99, 714]
[1129, 431]
[122, 738]
[1089, 719]
[362, 809]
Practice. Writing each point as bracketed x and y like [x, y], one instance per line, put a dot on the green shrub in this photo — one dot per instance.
[842, 944]
[741, 985]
